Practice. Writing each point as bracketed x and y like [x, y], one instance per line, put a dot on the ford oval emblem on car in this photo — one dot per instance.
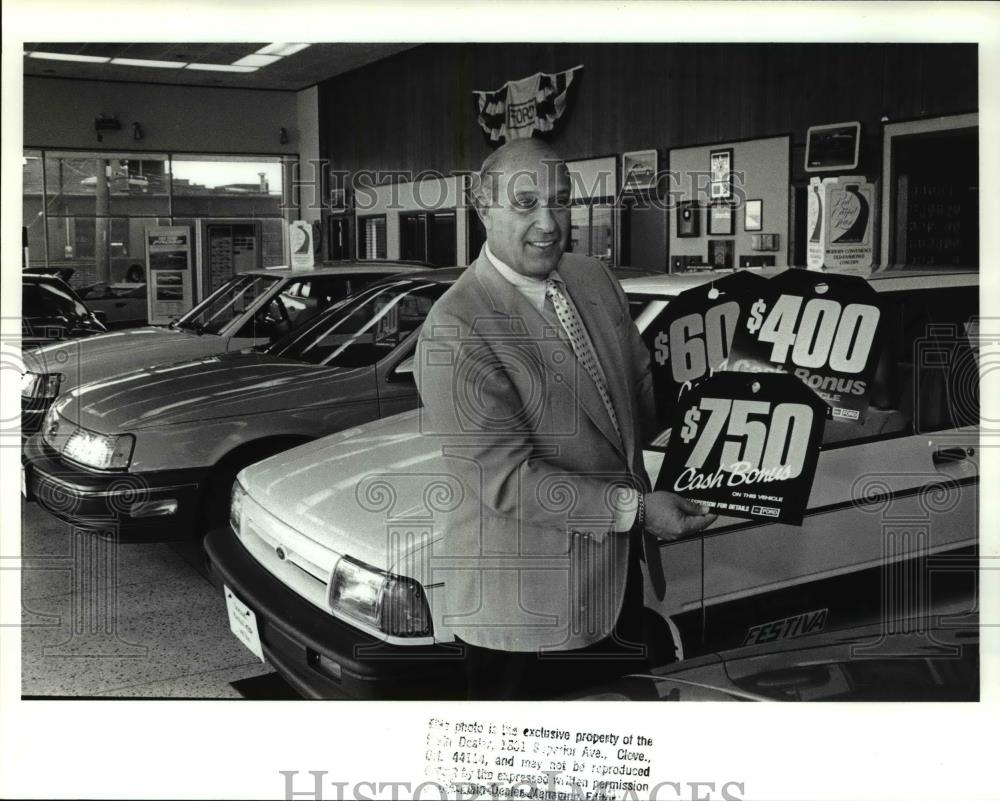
[280, 551]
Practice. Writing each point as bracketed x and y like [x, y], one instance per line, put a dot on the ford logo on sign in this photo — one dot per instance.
[280, 551]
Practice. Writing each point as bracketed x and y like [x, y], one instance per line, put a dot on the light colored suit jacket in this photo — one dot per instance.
[533, 561]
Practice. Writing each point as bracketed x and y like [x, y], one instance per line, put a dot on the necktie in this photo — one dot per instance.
[580, 343]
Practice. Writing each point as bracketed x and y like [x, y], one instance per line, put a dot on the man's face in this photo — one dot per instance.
[527, 217]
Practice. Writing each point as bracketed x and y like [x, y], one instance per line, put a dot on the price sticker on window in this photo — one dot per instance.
[825, 329]
[692, 337]
[746, 446]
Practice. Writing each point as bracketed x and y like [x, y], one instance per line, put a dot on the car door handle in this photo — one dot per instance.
[120, 304]
[951, 455]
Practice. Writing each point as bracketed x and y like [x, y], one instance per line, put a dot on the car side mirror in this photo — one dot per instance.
[404, 370]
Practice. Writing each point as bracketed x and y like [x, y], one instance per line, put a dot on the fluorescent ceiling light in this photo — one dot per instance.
[256, 60]
[221, 68]
[69, 57]
[281, 49]
[146, 62]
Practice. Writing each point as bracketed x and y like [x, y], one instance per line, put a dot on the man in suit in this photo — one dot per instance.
[534, 377]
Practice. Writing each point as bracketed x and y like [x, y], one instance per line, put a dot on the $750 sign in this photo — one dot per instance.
[776, 443]
[745, 445]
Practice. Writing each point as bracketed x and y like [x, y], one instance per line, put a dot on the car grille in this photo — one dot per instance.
[298, 562]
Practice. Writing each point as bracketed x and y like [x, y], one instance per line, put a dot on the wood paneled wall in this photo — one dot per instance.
[414, 110]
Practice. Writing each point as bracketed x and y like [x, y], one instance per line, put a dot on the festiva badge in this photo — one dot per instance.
[746, 446]
[691, 339]
[823, 328]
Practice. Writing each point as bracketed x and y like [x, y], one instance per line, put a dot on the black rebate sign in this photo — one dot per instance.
[823, 328]
[746, 446]
[692, 337]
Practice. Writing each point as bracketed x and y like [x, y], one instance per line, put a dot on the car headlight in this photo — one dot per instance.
[40, 385]
[236, 496]
[100, 451]
[393, 604]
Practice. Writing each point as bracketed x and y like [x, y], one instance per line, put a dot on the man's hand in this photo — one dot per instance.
[671, 517]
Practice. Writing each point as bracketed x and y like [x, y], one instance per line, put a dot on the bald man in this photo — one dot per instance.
[535, 378]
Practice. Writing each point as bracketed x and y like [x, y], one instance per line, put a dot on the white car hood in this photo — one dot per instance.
[96, 358]
[336, 490]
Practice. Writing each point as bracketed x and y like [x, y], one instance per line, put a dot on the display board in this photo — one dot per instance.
[168, 272]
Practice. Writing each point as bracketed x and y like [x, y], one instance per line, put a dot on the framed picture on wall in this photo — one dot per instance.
[720, 219]
[720, 253]
[639, 169]
[688, 218]
[753, 215]
[720, 165]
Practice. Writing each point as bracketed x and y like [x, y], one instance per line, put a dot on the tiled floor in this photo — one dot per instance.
[127, 620]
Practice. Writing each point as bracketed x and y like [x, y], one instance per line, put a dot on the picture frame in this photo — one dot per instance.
[832, 148]
[764, 242]
[753, 215]
[688, 219]
[720, 167]
[639, 169]
[721, 219]
[720, 253]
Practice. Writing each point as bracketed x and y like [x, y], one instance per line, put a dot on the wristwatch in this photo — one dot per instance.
[640, 513]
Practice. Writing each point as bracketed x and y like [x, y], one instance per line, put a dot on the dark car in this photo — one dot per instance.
[926, 658]
[153, 453]
[51, 311]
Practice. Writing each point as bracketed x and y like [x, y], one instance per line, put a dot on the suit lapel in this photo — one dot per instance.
[506, 300]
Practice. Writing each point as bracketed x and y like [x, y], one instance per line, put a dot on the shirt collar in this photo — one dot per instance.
[517, 279]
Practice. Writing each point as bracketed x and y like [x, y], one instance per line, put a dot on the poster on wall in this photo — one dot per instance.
[168, 272]
[840, 216]
[300, 241]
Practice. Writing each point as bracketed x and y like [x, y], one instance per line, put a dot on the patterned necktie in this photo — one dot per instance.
[580, 343]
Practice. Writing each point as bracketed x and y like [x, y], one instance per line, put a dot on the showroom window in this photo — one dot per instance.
[33, 209]
[371, 237]
[591, 229]
[214, 186]
[89, 211]
[428, 236]
[593, 184]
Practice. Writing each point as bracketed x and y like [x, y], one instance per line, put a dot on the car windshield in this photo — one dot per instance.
[227, 303]
[365, 328]
[45, 299]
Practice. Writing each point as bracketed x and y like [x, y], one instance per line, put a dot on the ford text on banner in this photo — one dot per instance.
[531, 106]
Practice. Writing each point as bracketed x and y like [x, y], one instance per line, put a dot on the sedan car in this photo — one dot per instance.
[152, 454]
[252, 308]
[331, 546]
[52, 312]
[123, 305]
[929, 658]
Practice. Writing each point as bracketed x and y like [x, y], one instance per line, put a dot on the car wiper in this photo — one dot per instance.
[742, 694]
